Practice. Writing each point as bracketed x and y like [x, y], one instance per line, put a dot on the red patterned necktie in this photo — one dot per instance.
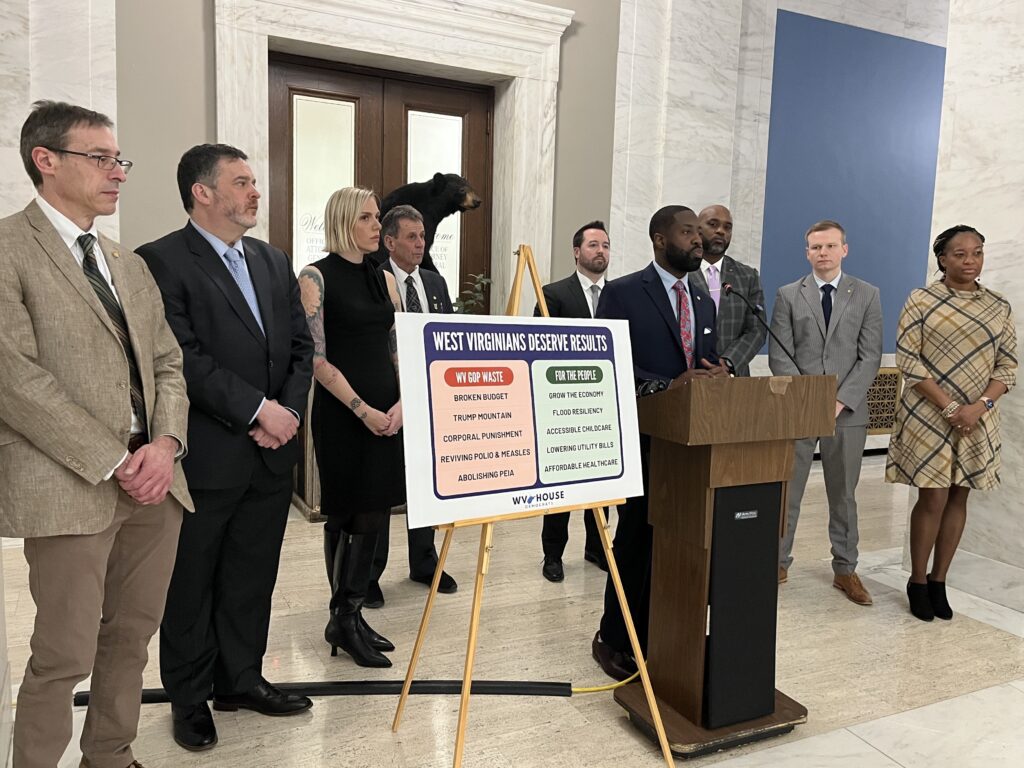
[685, 331]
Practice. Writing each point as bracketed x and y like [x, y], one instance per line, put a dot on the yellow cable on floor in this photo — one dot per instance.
[609, 687]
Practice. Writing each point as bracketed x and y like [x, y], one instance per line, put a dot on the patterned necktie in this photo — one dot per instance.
[714, 284]
[685, 331]
[826, 302]
[236, 264]
[113, 309]
[595, 296]
[412, 299]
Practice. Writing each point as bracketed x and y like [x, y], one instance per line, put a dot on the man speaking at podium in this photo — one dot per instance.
[672, 332]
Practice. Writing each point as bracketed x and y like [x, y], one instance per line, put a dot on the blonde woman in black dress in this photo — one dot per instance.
[357, 411]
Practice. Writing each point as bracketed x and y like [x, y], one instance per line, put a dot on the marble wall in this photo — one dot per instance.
[693, 101]
[979, 182]
[43, 55]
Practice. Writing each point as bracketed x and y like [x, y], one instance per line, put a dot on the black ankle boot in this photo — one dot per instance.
[937, 597]
[920, 603]
[352, 561]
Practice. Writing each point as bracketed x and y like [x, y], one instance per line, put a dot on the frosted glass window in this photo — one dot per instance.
[435, 146]
[324, 137]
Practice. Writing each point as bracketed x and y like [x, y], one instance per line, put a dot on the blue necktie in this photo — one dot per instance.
[236, 265]
[826, 302]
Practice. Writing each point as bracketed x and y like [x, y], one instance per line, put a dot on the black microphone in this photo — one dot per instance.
[727, 289]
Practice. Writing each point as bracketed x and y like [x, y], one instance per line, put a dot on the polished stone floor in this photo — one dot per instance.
[882, 688]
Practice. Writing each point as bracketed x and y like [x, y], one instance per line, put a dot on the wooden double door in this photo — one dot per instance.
[333, 126]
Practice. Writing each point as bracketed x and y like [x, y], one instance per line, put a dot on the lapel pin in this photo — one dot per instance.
[115, 253]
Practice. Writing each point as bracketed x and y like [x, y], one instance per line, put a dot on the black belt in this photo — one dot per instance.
[137, 440]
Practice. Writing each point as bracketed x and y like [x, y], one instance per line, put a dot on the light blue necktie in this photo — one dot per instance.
[236, 264]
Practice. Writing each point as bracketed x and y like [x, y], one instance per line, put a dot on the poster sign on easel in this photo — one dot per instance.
[541, 416]
[505, 415]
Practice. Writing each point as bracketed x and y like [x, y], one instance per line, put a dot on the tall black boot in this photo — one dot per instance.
[347, 629]
[331, 539]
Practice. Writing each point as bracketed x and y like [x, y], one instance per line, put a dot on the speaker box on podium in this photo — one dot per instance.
[721, 456]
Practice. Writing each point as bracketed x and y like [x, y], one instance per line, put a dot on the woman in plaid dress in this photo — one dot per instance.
[957, 349]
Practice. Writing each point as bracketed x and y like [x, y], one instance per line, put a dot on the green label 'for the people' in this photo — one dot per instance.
[574, 374]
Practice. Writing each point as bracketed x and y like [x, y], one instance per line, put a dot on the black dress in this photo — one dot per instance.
[361, 475]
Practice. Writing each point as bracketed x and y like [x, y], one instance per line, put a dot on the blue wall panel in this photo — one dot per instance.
[854, 137]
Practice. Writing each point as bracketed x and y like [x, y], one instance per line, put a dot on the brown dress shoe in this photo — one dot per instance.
[851, 586]
[617, 665]
[783, 575]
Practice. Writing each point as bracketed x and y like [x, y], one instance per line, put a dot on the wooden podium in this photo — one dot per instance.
[721, 456]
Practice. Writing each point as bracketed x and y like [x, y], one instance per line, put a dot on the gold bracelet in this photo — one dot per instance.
[949, 410]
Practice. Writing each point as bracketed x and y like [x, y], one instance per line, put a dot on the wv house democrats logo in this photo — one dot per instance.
[535, 500]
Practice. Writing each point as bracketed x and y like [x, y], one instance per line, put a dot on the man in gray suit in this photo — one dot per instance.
[740, 333]
[832, 322]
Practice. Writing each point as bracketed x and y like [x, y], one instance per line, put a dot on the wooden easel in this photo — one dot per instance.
[526, 260]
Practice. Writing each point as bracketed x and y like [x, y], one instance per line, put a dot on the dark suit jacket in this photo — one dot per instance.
[565, 298]
[438, 300]
[641, 299]
[230, 366]
[739, 335]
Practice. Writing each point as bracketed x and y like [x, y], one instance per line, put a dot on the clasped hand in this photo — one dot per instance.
[146, 475]
[383, 424]
[707, 369]
[966, 417]
[275, 425]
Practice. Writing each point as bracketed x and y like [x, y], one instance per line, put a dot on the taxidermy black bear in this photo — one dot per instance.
[442, 196]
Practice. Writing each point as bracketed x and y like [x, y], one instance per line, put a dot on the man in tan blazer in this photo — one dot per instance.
[93, 417]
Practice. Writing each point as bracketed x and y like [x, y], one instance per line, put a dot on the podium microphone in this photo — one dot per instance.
[727, 289]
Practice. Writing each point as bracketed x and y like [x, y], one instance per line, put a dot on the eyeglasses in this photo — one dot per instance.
[103, 162]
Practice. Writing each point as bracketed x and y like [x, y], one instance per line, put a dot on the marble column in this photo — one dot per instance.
[49, 49]
[979, 182]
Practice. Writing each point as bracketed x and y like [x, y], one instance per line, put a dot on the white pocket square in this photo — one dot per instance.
[707, 331]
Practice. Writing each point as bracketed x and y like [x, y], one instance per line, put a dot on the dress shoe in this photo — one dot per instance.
[616, 665]
[552, 569]
[133, 764]
[374, 597]
[937, 597]
[783, 575]
[263, 698]
[446, 586]
[920, 601]
[850, 585]
[193, 727]
[597, 558]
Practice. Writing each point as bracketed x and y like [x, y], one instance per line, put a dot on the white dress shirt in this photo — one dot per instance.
[834, 283]
[669, 280]
[417, 281]
[585, 284]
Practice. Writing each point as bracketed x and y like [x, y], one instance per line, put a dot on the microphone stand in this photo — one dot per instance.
[729, 290]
